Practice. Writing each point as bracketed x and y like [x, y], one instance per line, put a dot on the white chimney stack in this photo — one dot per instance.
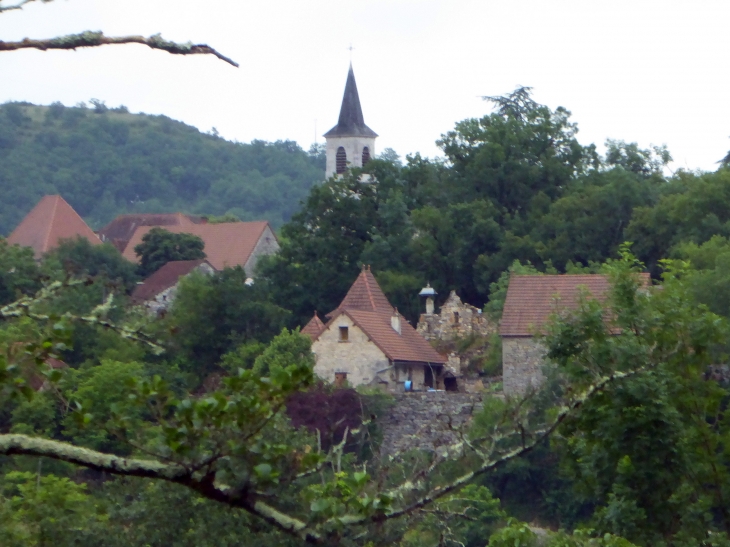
[428, 293]
[395, 321]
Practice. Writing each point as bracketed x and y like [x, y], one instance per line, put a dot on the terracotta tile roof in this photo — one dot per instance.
[164, 278]
[531, 299]
[227, 244]
[120, 230]
[314, 327]
[51, 220]
[406, 346]
[364, 294]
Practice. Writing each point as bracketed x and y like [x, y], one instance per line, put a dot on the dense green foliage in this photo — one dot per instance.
[159, 247]
[105, 162]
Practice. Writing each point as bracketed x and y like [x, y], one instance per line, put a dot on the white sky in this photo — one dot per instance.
[654, 72]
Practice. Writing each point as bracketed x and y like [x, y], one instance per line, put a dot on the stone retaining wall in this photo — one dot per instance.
[420, 420]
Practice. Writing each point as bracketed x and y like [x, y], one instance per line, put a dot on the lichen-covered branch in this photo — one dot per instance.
[95, 39]
[17, 6]
[24, 445]
[14, 444]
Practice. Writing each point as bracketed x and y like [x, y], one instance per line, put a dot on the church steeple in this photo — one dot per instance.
[350, 143]
[351, 122]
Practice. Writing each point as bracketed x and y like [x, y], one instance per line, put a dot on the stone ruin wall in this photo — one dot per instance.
[420, 421]
[455, 320]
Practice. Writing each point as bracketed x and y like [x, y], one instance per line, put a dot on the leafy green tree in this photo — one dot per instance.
[42, 511]
[159, 247]
[19, 272]
[213, 314]
[515, 153]
[78, 258]
[649, 453]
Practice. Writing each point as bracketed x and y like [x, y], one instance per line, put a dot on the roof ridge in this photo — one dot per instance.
[51, 220]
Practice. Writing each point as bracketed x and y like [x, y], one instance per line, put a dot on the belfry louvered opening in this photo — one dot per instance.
[341, 160]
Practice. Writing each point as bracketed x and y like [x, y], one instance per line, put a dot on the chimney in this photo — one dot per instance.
[428, 293]
[395, 321]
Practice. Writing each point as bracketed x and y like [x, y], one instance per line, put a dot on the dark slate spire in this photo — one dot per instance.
[351, 123]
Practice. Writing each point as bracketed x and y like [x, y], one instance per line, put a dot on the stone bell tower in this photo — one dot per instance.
[350, 143]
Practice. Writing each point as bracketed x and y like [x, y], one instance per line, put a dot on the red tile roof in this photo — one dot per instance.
[368, 307]
[314, 327]
[164, 278]
[227, 244]
[364, 294]
[120, 230]
[406, 346]
[531, 299]
[50, 221]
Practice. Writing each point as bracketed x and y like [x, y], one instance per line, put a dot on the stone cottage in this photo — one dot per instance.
[158, 291]
[366, 341]
[530, 301]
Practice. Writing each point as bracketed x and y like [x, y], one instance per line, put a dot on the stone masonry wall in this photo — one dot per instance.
[359, 357]
[420, 420]
[522, 361]
[266, 245]
[454, 320]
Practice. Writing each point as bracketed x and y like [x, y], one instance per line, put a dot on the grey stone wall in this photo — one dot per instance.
[358, 357]
[522, 361]
[420, 420]
[454, 320]
[266, 245]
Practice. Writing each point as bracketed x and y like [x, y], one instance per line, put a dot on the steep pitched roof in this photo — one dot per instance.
[365, 294]
[51, 220]
[227, 244]
[164, 278]
[314, 327]
[120, 230]
[531, 299]
[351, 122]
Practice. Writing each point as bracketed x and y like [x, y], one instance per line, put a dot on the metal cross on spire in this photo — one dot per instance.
[350, 48]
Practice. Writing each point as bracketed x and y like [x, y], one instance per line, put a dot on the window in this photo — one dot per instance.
[456, 317]
[341, 161]
[340, 379]
[365, 155]
[344, 334]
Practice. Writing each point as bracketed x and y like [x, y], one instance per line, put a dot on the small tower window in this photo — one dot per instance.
[344, 334]
[341, 161]
[340, 379]
[365, 155]
[456, 317]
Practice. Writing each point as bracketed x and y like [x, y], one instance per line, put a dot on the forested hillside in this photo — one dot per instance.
[107, 161]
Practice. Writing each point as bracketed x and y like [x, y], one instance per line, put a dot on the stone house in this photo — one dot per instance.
[157, 292]
[366, 342]
[530, 301]
[227, 244]
[48, 223]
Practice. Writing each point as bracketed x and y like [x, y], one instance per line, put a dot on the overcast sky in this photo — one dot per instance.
[653, 72]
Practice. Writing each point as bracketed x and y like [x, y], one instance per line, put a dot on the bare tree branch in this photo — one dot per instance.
[95, 39]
